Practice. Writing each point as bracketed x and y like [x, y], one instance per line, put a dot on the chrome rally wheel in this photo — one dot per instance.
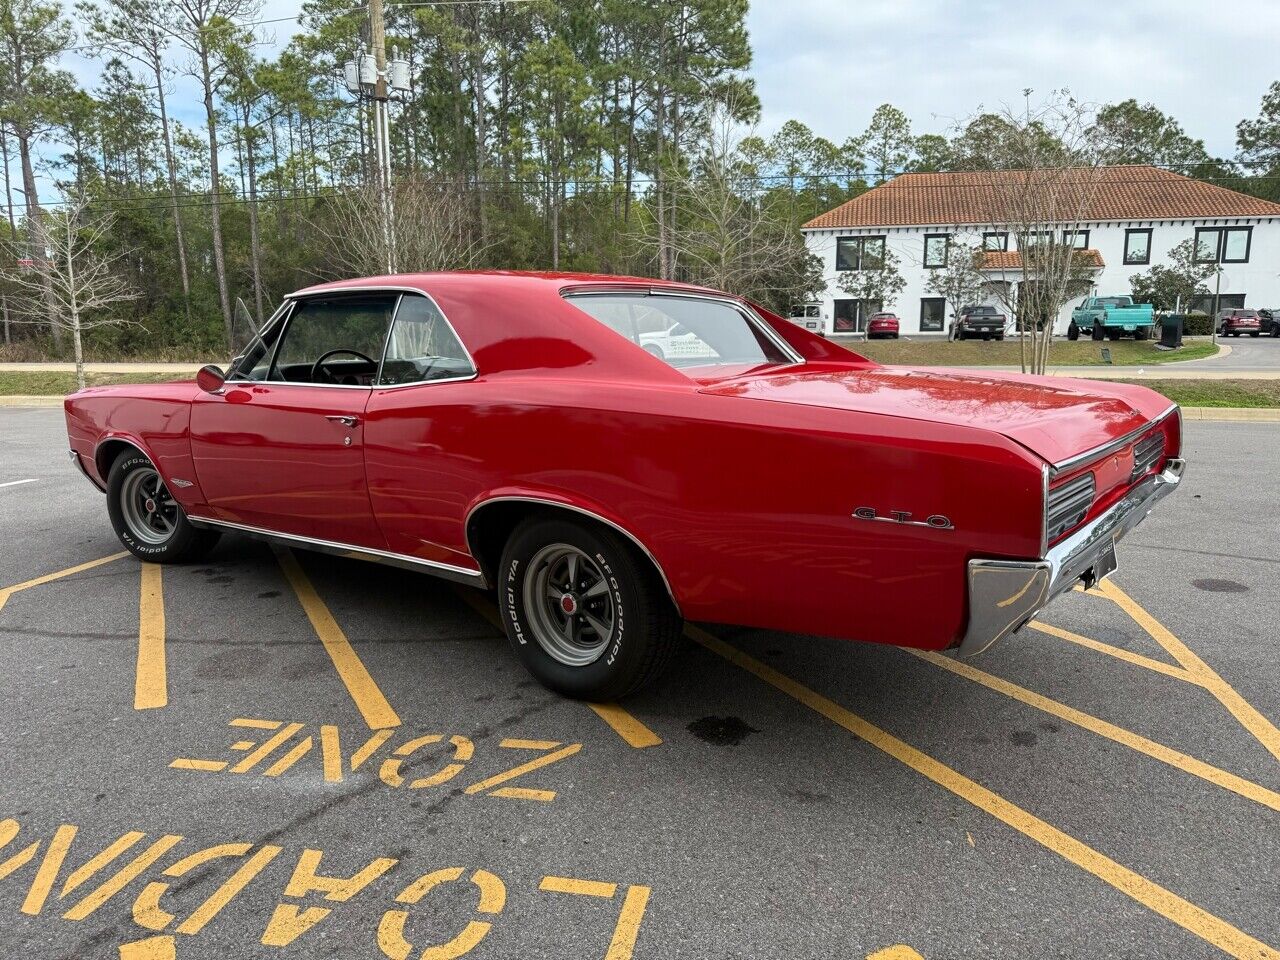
[148, 510]
[146, 518]
[570, 607]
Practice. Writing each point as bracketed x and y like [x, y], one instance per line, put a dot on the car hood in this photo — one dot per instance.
[1054, 417]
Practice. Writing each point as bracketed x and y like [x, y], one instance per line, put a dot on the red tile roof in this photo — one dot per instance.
[1117, 193]
[1012, 260]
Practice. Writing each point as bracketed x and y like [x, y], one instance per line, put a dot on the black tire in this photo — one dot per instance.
[1000, 337]
[181, 542]
[1142, 333]
[1255, 334]
[1275, 329]
[1113, 334]
[1073, 331]
[638, 646]
[1097, 332]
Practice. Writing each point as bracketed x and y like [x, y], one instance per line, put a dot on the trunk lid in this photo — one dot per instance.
[1056, 418]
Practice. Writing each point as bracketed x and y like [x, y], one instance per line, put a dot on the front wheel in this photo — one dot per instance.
[1073, 331]
[1254, 334]
[584, 610]
[148, 521]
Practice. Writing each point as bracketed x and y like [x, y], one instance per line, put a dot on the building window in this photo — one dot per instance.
[859, 253]
[1223, 244]
[1035, 238]
[995, 240]
[1079, 239]
[851, 316]
[933, 312]
[935, 249]
[1137, 247]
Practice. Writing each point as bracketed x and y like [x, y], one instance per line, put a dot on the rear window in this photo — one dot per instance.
[686, 331]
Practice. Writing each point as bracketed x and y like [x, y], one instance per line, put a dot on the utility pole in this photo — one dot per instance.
[382, 127]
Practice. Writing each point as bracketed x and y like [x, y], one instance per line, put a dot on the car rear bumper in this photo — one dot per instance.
[1005, 594]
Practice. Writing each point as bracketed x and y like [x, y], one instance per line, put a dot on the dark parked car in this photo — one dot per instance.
[1236, 321]
[984, 322]
[1270, 321]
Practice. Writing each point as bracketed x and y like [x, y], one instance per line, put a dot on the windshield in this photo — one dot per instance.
[685, 331]
[1115, 301]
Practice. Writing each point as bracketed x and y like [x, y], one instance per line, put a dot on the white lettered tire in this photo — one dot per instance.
[584, 610]
[148, 521]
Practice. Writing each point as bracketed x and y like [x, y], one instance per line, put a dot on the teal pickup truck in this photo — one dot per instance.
[1111, 317]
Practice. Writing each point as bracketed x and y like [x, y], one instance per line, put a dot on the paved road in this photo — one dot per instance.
[808, 799]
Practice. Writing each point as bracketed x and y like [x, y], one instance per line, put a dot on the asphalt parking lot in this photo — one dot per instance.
[292, 755]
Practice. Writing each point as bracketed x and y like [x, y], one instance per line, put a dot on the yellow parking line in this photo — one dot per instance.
[7, 592]
[1137, 659]
[897, 952]
[151, 683]
[373, 706]
[628, 727]
[1157, 751]
[1262, 729]
[1169, 905]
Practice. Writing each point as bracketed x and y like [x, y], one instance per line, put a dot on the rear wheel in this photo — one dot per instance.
[1141, 333]
[148, 521]
[584, 610]
[1113, 334]
[1255, 334]
[1073, 331]
[1097, 332]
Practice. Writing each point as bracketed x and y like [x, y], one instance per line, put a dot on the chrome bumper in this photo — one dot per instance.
[1005, 594]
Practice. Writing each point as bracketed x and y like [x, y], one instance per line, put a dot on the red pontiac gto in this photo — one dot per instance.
[511, 431]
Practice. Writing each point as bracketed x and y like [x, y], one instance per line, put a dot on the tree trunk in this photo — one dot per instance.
[8, 190]
[4, 308]
[215, 209]
[74, 303]
[172, 170]
[35, 218]
[255, 250]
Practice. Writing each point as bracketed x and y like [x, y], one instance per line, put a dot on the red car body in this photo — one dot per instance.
[883, 325]
[833, 496]
[1235, 322]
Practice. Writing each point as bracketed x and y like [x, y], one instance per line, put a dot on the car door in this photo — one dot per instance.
[422, 477]
[281, 446]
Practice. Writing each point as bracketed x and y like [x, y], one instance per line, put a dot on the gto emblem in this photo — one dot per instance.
[937, 521]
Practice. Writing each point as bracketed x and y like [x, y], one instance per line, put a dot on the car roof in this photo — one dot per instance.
[558, 280]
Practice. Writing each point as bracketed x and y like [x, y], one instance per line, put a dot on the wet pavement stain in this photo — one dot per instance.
[721, 731]
[1220, 586]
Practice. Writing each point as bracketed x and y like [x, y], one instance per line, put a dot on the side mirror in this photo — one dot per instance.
[210, 379]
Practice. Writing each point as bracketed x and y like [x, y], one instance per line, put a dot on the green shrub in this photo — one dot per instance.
[1193, 324]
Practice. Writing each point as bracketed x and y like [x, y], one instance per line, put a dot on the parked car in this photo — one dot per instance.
[1233, 322]
[510, 431]
[1111, 318]
[882, 325]
[1270, 321]
[809, 316]
[677, 342]
[981, 321]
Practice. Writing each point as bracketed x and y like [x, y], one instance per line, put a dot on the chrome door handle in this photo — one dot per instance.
[345, 421]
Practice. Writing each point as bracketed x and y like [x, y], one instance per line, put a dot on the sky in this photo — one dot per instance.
[830, 63]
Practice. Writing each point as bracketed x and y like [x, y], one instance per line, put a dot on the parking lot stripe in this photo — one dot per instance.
[1262, 729]
[151, 682]
[14, 483]
[628, 727]
[623, 944]
[373, 706]
[1157, 751]
[7, 592]
[1167, 904]
[1137, 659]
[583, 888]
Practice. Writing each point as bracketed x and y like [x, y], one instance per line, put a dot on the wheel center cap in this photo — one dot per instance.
[569, 604]
[150, 505]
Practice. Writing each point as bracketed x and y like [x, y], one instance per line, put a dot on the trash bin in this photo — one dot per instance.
[1171, 331]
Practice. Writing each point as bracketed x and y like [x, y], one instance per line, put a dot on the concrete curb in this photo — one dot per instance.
[1235, 414]
[19, 400]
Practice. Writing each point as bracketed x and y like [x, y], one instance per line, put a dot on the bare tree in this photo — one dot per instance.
[1038, 179]
[81, 281]
[723, 231]
[961, 281]
[433, 229]
[878, 279]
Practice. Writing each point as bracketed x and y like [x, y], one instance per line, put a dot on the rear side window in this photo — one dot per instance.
[422, 347]
[686, 331]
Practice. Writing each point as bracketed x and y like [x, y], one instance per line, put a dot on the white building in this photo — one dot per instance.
[1134, 216]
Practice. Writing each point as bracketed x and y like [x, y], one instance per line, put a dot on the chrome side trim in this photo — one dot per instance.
[1097, 453]
[1005, 594]
[446, 570]
[586, 513]
[75, 458]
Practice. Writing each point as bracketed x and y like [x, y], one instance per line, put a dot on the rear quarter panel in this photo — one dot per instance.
[746, 505]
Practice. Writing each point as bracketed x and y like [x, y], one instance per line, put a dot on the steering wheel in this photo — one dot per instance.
[318, 367]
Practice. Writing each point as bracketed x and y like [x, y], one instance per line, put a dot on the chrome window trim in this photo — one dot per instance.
[755, 320]
[1097, 453]
[280, 317]
[289, 300]
[466, 526]
[446, 570]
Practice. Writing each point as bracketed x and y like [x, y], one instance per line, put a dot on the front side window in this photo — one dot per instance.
[685, 331]
[995, 240]
[935, 250]
[859, 253]
[1137, 247]
[422, 347]
[334, 341]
